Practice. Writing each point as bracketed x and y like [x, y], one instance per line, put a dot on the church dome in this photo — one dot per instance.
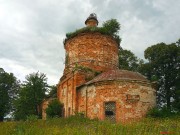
[118, 74]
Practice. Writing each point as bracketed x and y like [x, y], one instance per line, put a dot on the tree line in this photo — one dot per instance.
[20, 100]
[162, 66]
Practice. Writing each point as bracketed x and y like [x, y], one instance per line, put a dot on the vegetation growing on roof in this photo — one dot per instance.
[90, 73]
[67, 58]
[110, 27]
[84, 68]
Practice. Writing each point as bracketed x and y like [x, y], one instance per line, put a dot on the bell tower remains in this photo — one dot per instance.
[88, 50]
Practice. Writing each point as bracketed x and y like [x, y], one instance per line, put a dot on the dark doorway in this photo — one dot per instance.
[110, 111]
[69, 111]
[63, 112]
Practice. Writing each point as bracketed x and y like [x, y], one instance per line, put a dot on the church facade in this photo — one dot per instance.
[114, 94]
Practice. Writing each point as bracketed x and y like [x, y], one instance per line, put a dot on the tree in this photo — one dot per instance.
[128, 61]
[9, 87]
[112, 26]
[163, 66]
[52, 91]
[54, 109]
[31, 95]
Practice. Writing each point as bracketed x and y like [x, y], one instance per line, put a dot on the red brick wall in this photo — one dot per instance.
[100, 52]
[67, 91]
[91, 99]
[93, 50]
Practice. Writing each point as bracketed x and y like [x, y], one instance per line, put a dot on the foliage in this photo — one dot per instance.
[52, 91]
[110, 27]
[161, 113]
[9, 87]
[90, 73]
[163, 66]
[54, 109]
[176, 102]
[83, 68]
[31, 95]
[67, 59]
[128, 61]
[83, 126]
[32, 118]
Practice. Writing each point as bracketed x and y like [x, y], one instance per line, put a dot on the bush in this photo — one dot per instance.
[112, 27]
[161, 113]
[32, 118]
[154, 112]
[54, 109]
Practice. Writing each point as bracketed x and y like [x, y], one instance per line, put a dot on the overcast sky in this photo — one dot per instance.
[32, 31]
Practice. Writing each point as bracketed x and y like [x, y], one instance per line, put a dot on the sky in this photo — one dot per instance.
[32, 31]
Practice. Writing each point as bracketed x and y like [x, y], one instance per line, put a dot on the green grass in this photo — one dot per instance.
[83, 126]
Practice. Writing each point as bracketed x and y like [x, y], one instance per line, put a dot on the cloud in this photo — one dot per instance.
[143, 23]
[32, 32]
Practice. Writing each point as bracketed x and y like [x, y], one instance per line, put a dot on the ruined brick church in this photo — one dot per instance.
[114, 94]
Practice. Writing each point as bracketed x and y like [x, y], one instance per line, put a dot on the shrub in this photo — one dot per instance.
[154, 112]
[112, 27]
[161, 113]
[54, 109]
[32, 118]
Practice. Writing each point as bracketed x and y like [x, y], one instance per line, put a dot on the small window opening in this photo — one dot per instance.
[110, 111]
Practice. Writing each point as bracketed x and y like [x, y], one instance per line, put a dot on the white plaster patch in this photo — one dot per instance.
[97, 105]
[91, 91]
[120, 86]
[83, 91]
[128, 106]
[144, 87]
[95, 110]
[64, 91]
[129, 115]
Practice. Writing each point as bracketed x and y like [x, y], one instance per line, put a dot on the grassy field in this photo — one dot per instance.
[83, 126]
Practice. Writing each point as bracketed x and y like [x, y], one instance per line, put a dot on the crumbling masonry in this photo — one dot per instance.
[114, 94]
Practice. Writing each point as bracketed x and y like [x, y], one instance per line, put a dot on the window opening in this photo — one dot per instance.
[110, 111]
